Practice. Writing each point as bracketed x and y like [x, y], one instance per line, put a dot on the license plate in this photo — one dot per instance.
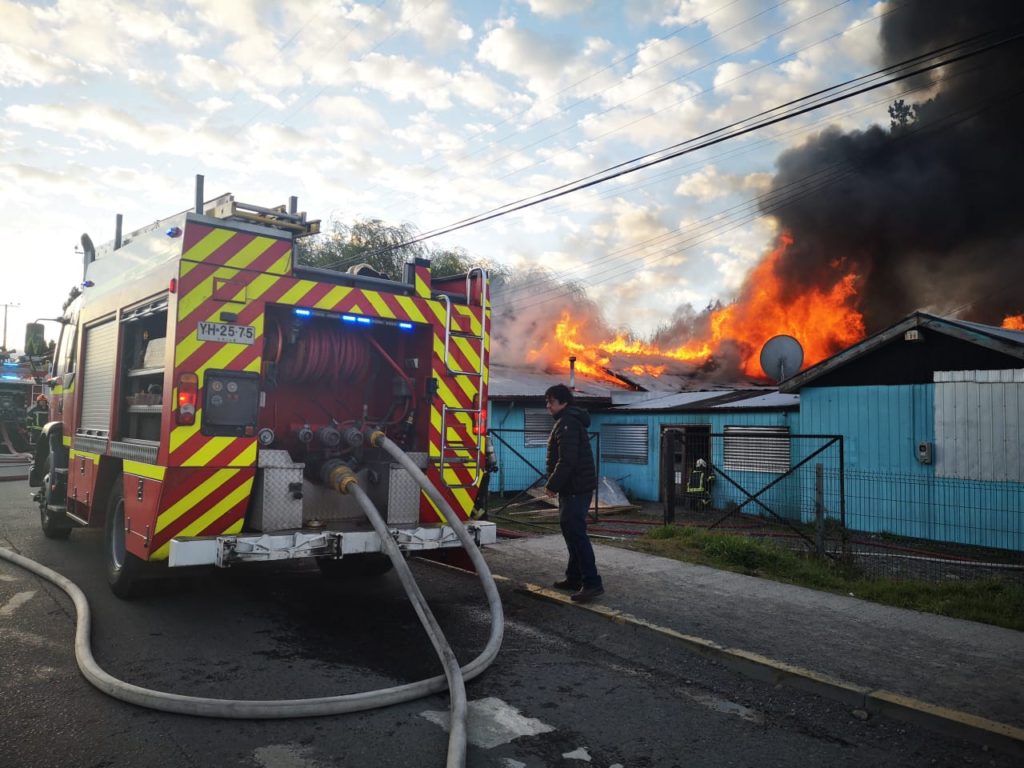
[226, 332]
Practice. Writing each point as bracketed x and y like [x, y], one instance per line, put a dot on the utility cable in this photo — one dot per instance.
[910, 67]
[730, 219]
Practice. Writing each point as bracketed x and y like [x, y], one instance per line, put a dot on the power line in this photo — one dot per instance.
[769, 203]
[911, 67]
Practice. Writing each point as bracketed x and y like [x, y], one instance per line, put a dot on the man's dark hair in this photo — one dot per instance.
[559, 392]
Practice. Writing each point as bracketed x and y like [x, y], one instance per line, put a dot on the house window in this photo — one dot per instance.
[625, 443]
[757, 449]
[537, 425]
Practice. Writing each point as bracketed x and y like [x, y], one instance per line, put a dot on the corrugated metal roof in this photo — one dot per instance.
[1000, 339]
[664, 402]
[768, 400]
[507, 383]
[737, 399]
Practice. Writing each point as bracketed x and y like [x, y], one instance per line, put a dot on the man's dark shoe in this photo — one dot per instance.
[586, 594]
[572, 586]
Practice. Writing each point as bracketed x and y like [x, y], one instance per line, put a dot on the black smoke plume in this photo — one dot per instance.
[929, 213]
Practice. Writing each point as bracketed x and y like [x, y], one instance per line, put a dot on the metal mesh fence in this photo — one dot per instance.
[902, 526]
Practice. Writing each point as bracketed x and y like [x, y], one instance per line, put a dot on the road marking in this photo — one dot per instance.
[284, 756]
[579, 754]
[491, 722]
[18, 600]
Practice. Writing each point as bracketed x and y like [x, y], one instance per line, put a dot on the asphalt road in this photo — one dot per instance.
[568, 689]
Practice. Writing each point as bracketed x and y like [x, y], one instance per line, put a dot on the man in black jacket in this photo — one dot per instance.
[571, 476]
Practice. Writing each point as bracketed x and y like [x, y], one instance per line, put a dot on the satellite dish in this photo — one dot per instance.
[781, 357]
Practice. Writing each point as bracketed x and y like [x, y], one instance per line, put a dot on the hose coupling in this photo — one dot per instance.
[376, 438]
[338, 475]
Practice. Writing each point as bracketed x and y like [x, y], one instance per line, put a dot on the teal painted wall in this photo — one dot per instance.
[887, 489]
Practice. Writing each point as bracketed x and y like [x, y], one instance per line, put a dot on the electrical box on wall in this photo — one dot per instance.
[925, 450]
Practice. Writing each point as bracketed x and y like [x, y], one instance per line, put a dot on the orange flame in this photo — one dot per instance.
[1014, 322]
[823, 319]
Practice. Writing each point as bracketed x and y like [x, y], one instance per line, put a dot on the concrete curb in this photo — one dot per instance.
[1006, 738]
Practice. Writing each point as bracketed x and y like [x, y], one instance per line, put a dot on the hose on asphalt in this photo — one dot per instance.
[321, 706]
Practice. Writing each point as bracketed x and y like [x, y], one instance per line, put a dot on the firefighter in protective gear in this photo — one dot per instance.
[36, 418]
[699, 484]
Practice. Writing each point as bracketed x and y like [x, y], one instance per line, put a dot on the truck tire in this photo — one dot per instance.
[55, 524]
[124, 569]
[369, 565]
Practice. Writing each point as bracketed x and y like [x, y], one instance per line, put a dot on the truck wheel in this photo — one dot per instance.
[54, 523]
[369, 565]
[123, 568]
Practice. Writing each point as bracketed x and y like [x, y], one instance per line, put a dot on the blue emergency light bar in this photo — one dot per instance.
[355, 319]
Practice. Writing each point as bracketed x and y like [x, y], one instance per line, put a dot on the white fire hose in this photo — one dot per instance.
[453, 679]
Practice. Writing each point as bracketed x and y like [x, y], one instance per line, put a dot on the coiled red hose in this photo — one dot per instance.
[326, 354]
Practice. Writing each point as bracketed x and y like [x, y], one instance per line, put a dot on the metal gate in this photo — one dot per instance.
[759, 481]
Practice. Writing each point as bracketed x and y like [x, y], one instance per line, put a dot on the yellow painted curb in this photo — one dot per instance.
[877, 701]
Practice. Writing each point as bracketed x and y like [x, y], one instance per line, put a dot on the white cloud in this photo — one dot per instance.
[709, 183]
[556, 9]
[734, 25]
[538, 61]
[434, 22]
[402, 79]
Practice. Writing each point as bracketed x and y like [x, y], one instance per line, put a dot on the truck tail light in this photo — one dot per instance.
[188, 395]
[480, 427]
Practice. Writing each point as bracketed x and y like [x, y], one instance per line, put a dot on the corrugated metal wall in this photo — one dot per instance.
[978, 429]
[98, 377]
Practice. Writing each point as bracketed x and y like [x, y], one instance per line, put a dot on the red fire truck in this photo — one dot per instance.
[203, 378]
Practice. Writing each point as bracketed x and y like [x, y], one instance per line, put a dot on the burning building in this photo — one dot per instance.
[919, 215]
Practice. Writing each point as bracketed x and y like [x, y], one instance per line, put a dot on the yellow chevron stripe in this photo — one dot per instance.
[260, 285]
[435, 422]
[466, 385]
[411, 309]
[434, 508]
[205, 455]
[422, 289]
[295, 294]
[378, 304]
[438, 310]
[150, 471]
[467, 318]
[93, 457]
[206, 519]
[201, 250]
[251, 251]
[336, 294]
[282, 266]
[191, 301]
[468, 348]
[181, 434]
[188, 501]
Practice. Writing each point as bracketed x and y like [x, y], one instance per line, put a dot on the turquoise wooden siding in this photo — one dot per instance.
[887, 489]
[641, 482]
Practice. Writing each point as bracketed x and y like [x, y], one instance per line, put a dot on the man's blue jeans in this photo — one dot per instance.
[572, 515]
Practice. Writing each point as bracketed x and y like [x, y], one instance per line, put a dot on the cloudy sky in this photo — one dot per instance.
[421, 112]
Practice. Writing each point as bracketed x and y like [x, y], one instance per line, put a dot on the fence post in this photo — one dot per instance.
[819, 509]
[668, 463]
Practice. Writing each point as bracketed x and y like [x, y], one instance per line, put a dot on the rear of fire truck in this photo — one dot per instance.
[206, 384]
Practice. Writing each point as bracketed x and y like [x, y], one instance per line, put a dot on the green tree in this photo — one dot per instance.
[386, 248]
[901, 116]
